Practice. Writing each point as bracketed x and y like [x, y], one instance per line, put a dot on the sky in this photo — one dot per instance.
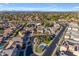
[39, 6]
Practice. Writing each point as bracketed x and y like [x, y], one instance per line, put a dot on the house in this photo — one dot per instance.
[63, 48]
[66, 37]
[75, 53]
[69, 28]
[47, 30]
[38, 24]
[6, 31]
[75, 29]
[1, 39]
[40, 29]
[52, 30]
[42, 46]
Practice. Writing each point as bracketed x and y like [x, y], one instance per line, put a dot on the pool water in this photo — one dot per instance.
[1, 46]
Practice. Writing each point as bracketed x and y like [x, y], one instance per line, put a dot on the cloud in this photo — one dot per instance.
[48, 7]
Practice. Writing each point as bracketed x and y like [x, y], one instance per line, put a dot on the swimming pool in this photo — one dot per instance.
[1, 46]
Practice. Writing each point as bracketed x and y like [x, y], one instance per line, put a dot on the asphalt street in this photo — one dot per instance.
[51, 48]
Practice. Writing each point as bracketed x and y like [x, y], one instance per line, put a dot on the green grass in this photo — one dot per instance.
[47, 40]
[39, 50]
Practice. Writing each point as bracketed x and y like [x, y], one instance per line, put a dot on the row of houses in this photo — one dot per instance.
[71, 40]
[36, 27]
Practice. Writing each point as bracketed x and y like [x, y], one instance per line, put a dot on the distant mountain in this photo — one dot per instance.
[33, 11]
